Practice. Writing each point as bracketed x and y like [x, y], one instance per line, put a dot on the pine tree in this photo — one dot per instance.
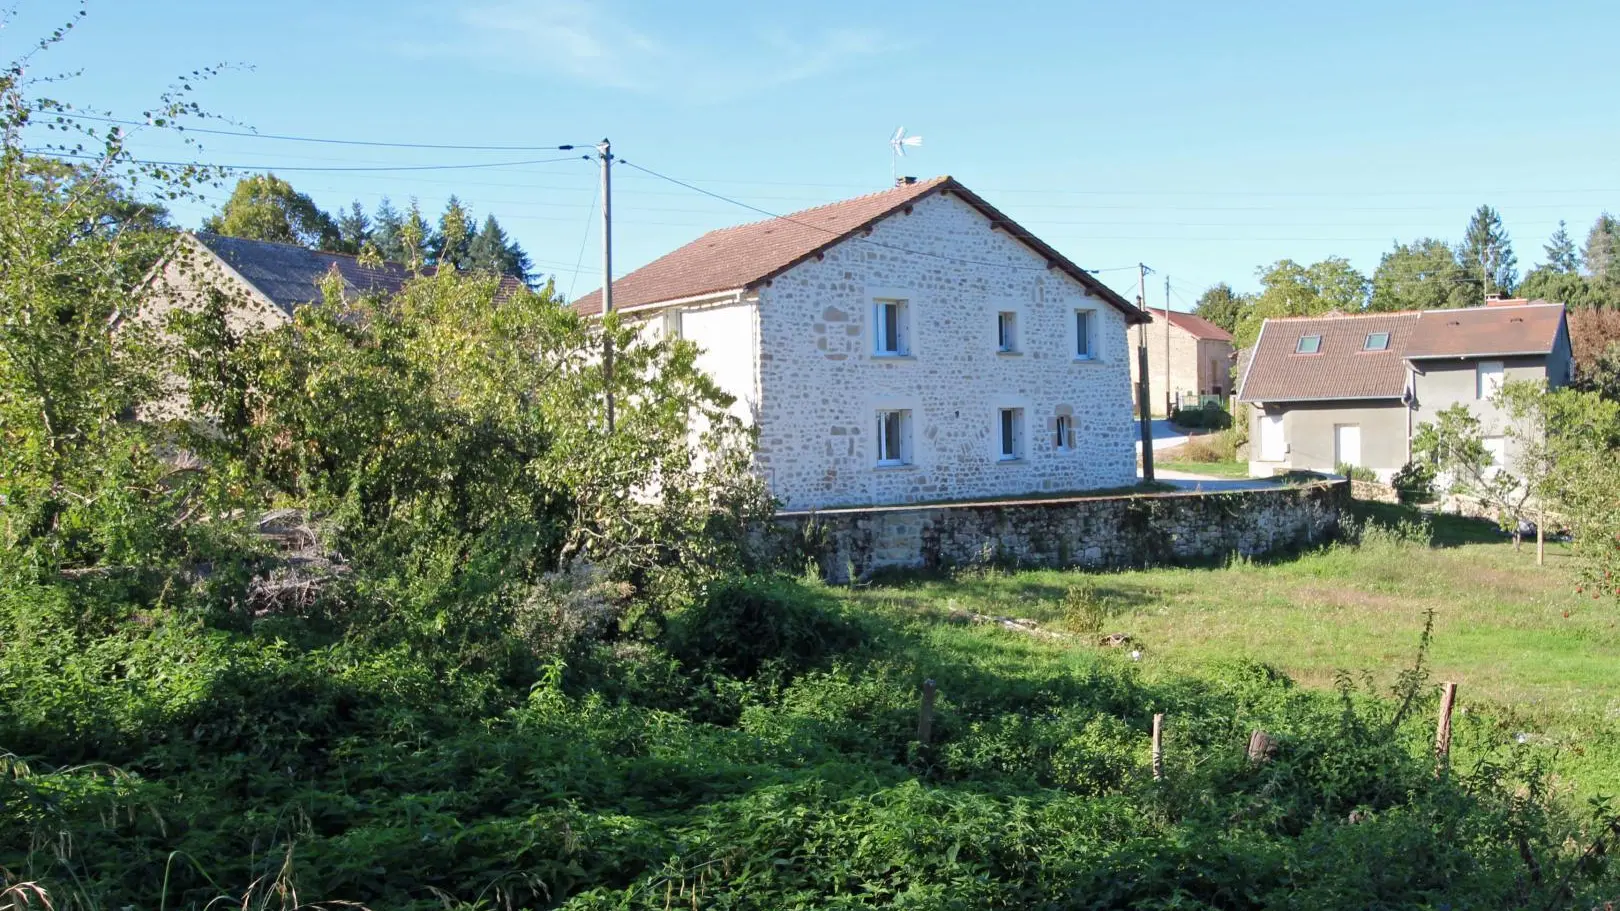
[492, 251]
[1603, 249]
[1560, 250]
[452, 242]
[354, 228]
[1488, 253]
[386, 232]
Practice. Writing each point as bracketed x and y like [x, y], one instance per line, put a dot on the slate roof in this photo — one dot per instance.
[747, 256]
[290, 275]
[1340, 369]
[1498, 328]
[1193, 324]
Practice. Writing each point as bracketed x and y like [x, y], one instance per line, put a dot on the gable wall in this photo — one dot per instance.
[821, 386]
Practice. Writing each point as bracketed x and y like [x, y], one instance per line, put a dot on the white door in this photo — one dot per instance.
[1271, 438]
[1347, 444]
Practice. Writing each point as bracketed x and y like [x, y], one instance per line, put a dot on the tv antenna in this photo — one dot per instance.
[897, 147]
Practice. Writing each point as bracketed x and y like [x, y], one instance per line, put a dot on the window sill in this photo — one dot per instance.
[1009, 353]
[1012, 461]
[894, 357]
[895, 466]
[1091, 359]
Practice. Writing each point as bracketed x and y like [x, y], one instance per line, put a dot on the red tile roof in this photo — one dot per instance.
[1497, 328]
[747, 256]
[1193, 324]
[1341, 368]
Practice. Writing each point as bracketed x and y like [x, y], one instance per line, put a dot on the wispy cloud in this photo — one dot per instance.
[591, 43]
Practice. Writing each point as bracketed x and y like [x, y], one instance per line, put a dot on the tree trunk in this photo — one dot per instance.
[1541, 543]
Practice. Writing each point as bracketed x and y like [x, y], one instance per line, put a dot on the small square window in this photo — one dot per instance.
[1063, 433]
[1308, 344]
[890, 330]
[1085, 345]
[1007, 331]
[894, 438]
[1376, 341]
[1011, 429]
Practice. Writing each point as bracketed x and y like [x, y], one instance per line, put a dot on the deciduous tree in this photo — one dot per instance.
[1221, 306]
[1422, 275]
[265, 207]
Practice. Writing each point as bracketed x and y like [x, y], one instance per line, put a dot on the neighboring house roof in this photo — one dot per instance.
[290, 275]
[1191, 323]
[747, 256]
[1498, 328]
[1341, 368]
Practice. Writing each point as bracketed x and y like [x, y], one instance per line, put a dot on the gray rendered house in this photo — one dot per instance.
[1333, 390]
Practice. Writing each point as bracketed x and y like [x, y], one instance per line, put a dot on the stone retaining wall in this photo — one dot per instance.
[1102, 532]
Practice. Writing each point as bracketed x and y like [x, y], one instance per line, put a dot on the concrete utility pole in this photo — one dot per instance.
[1169, 397]
[604, 151]
[1144, 409]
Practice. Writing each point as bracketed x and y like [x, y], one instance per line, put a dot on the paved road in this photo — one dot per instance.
[1165, 436]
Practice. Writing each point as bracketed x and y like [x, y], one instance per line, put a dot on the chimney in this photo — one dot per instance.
[904, 181]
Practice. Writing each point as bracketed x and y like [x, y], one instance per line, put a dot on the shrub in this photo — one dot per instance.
[1355, 472]
[1210, 416]
[1084, 609]
[1414, 483]
[741, 623]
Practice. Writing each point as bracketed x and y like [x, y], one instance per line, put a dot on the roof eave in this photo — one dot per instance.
[1323, 398]
[1446, 357]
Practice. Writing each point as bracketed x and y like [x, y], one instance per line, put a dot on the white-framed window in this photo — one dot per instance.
[1308, 344]
[1010, 434]
[1063, 433]
[1487, 379]
[1007, 331]
[891, 329]
[894, 437]
[1376, 341]
[1085, 335]
[672, 322]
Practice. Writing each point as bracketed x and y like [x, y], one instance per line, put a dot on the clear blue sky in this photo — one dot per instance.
[1204, 139]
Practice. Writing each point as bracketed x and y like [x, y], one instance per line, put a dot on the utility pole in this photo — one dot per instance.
[604, 151]
[1144, 409]
[1169, 400]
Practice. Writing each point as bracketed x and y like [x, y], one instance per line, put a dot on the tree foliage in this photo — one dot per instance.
[1560, 251]
[1487, 252]
[265, 207]
[1422, 275]
[1602, 252]
[1222, 306]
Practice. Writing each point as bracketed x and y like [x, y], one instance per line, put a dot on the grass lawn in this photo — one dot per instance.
[1212, 469]
[1530, 655]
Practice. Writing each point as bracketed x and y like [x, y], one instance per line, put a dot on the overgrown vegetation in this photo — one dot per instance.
[374, 608]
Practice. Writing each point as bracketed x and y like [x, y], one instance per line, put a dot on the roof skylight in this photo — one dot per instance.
[1309, 344]
[1376, 341]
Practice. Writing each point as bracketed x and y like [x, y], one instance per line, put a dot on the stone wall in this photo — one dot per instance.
[1104, 532]
[821, 385]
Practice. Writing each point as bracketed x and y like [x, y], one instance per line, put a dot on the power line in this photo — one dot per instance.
[260, 167]
[287, 138]
[590, 218]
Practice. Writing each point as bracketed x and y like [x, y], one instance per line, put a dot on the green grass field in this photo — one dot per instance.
[1526, 649]
[1212, 469]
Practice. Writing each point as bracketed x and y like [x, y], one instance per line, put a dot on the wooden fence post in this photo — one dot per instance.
[1158, 747]
[1442, 728]
[925, 718]
[1259, 747]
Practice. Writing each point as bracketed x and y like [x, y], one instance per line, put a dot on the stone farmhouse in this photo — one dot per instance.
[1335, 390]
[907, 346]
[1198, 362]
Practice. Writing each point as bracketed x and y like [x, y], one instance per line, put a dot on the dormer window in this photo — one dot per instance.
[1309, 344]
[1376, 341]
